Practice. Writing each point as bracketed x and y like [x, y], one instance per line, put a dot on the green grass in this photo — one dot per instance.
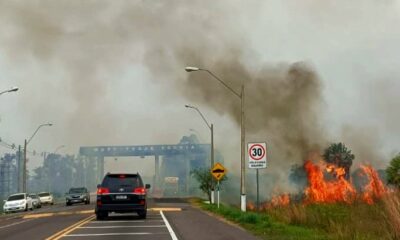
[358, 221]
[264, 225]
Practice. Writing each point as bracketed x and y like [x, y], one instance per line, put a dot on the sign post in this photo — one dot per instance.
[257, 159]
[218, 172]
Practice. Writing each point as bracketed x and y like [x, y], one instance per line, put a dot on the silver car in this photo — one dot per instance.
[35, 200]
[18, 202]
[46, 198]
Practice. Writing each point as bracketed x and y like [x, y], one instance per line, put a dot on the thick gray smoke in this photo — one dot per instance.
[78, 59]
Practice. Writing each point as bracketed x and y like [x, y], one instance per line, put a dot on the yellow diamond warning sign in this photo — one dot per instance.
[218, 171]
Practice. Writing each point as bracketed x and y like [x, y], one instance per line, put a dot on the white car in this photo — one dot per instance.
[46, 198]
[18, 202]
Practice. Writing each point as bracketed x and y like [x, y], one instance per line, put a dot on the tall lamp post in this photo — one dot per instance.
[25, 146]
[242, 133]
[13, 89]
[211, 127]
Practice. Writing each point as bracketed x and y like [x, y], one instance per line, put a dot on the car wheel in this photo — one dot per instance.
[68, 204]
[142, 214]
[26, 207]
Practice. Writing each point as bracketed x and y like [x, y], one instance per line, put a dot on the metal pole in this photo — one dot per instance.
[218, 193]
[24, 168]
[212, 162]
[20, 167]
[258, 192]
[242, 159]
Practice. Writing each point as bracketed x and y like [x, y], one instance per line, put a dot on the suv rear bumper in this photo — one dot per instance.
[120, 208]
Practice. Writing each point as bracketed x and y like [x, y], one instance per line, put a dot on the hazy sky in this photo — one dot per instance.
[112, 72]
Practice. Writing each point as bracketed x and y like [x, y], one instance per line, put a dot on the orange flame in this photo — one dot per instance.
[337, 189]
[374, 189]
[279, 200]
[321, 190]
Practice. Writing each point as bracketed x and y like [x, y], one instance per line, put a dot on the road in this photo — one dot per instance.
[166, 219]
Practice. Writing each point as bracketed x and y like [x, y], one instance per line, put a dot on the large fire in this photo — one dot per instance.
[327, 183]
[322, 190]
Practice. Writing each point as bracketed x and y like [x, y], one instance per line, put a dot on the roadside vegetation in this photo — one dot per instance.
[319, 221]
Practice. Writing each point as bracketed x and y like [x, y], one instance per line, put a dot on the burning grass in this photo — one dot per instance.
[330, 207]
[357, 220]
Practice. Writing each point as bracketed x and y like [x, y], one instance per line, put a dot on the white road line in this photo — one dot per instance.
[171, 232]
[132, 221]
[150, 226]
[16, 223]
[105, 234]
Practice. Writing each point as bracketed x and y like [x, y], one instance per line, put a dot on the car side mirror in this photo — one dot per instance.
[148, 186]
[98, 185]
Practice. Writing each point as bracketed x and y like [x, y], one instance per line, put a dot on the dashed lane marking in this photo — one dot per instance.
[166, 209]
[69, 229]
[146, 226]
[13, 224]
[136, 221]
[107, 234]
[42, 215]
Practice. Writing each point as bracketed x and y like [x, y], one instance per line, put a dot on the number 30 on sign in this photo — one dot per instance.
[257, 155]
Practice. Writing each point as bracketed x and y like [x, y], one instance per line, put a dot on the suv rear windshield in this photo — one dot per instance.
[77, 190]
[16, 197]
[44, 194]
[114, 181]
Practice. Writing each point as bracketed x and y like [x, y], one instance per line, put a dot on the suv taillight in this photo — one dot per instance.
[140, 190]
[102, 190]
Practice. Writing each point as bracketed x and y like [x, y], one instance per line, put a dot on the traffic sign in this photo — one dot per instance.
[218, 171]
[257, 155]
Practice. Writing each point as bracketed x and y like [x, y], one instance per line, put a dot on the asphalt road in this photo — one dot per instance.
[166, 219]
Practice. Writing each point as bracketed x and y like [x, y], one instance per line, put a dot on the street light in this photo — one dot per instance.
[242, 133]
[13, 89]
[211, 127]
[25, 146]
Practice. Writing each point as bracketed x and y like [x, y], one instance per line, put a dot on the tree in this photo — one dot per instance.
[340, 156]
[393, 171]
[205, 178]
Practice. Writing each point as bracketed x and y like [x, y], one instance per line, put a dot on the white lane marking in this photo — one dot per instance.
[150, 226]
[105, 234]
[133, 221]
[16, 223]
[171, 232]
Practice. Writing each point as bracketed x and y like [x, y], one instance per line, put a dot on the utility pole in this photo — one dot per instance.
[24, 169]
[20, 169]
[242, 158]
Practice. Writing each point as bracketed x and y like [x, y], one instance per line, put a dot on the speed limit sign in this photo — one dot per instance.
[257, 155]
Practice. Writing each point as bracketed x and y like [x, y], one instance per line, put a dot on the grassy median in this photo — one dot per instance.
[319, 221]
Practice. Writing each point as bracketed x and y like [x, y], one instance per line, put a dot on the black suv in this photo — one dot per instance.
[77, 195]
[121, 193]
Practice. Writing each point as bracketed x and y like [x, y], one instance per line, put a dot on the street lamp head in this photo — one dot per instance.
[188, 106]
[13, 89]
[49, 124]
[191, 69]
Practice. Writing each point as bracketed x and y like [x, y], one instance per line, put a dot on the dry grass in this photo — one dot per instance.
[391, 205]
[346, 221]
